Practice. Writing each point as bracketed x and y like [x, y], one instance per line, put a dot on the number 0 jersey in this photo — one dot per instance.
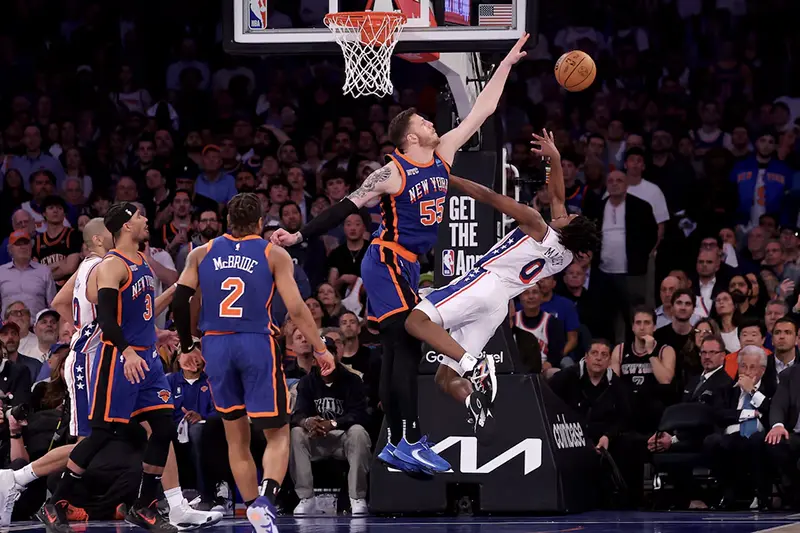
[137, 301]
[85, 338]
[411, 217]
[237, 286]
[520, 261]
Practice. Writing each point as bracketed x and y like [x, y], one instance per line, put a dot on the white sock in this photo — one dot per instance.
[174, 497]
[467, 362]
[25, 475]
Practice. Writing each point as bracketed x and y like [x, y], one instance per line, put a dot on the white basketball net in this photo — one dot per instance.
[367, 41]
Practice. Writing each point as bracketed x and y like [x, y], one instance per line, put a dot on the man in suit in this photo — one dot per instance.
[710, 388]
[630, 236]
[737, 452]
[783, 439]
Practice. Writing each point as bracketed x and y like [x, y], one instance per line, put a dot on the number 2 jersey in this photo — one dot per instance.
[520, 261]
[411, 217]
[237, 286]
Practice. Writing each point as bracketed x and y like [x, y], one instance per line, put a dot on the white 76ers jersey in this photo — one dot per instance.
[519, 261]
[84, 314]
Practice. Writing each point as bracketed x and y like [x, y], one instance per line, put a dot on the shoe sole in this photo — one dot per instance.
[260, 521]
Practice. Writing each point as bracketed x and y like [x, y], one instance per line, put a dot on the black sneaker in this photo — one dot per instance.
[54, 517]
[484, 378]
[149, 518]
[480, 417]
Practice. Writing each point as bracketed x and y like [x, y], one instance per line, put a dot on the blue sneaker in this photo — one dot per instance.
[388, 457]
[421, 455]
[261, 515]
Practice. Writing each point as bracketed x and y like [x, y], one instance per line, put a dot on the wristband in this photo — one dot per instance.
[17, 436]
[319, 354]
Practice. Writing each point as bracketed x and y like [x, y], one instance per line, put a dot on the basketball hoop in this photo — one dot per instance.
[367, 39]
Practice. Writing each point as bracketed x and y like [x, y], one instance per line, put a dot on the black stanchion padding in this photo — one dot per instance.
[538, 460]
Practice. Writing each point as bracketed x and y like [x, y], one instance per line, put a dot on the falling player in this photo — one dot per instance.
[411, 190]
[78, 297]
[474, 305]
[237, 275]
[129, 379]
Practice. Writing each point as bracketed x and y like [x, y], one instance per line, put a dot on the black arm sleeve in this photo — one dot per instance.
[329, 219]
[181, 315]
[107, 311]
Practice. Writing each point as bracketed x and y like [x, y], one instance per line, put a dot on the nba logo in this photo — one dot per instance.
[258, 14]
[448, 263]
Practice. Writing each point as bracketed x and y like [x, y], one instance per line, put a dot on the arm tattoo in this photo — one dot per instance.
[371, 183]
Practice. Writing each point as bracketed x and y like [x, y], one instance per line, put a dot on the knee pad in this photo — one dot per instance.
[85, 450]
[162, 433]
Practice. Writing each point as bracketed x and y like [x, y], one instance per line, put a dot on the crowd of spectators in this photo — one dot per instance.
[684, 151]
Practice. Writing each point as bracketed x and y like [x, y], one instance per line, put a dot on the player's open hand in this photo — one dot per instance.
[546, 145]
[325, 362]
[281, 237]
[516, 52]
[135, 368]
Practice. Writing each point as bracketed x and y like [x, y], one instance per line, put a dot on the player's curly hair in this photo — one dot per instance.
[581, 235]
[244, 211]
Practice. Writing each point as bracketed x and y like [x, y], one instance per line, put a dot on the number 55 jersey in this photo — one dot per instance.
[409, 227]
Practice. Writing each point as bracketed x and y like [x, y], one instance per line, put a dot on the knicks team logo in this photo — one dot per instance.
[204, 388]
[448, 263]
[164, 395]
[134, 268]
[258, 14]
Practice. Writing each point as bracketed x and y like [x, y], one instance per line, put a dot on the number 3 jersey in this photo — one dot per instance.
[137, 301]
[520, 261]
[411, 217]
[237, 286]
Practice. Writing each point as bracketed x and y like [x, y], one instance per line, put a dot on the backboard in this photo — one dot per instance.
[286, 27]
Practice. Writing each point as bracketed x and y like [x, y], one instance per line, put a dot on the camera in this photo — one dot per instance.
[20, 412]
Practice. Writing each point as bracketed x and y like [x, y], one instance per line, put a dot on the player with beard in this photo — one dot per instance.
[411, 190]
[129, 379]
[741, 290]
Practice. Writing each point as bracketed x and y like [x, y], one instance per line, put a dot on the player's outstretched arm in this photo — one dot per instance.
[523, 214]
[185, 289]
[485, 105]
[555, 185]
[385, 180]
[283, 273]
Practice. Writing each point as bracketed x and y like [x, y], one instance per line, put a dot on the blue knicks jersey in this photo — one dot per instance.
[137, 302]
[237, 286]
[411, 217]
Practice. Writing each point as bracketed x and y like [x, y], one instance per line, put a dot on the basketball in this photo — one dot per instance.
[575, 71]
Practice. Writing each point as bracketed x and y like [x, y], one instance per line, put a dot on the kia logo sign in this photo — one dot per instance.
[530, 449]
[433, 357]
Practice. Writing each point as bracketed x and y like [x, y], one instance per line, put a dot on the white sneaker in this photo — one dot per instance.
[358, 507]
[185, 517]
[306, 507]
[9, 494]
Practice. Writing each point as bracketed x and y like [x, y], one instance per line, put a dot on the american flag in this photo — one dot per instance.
[495, 15]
